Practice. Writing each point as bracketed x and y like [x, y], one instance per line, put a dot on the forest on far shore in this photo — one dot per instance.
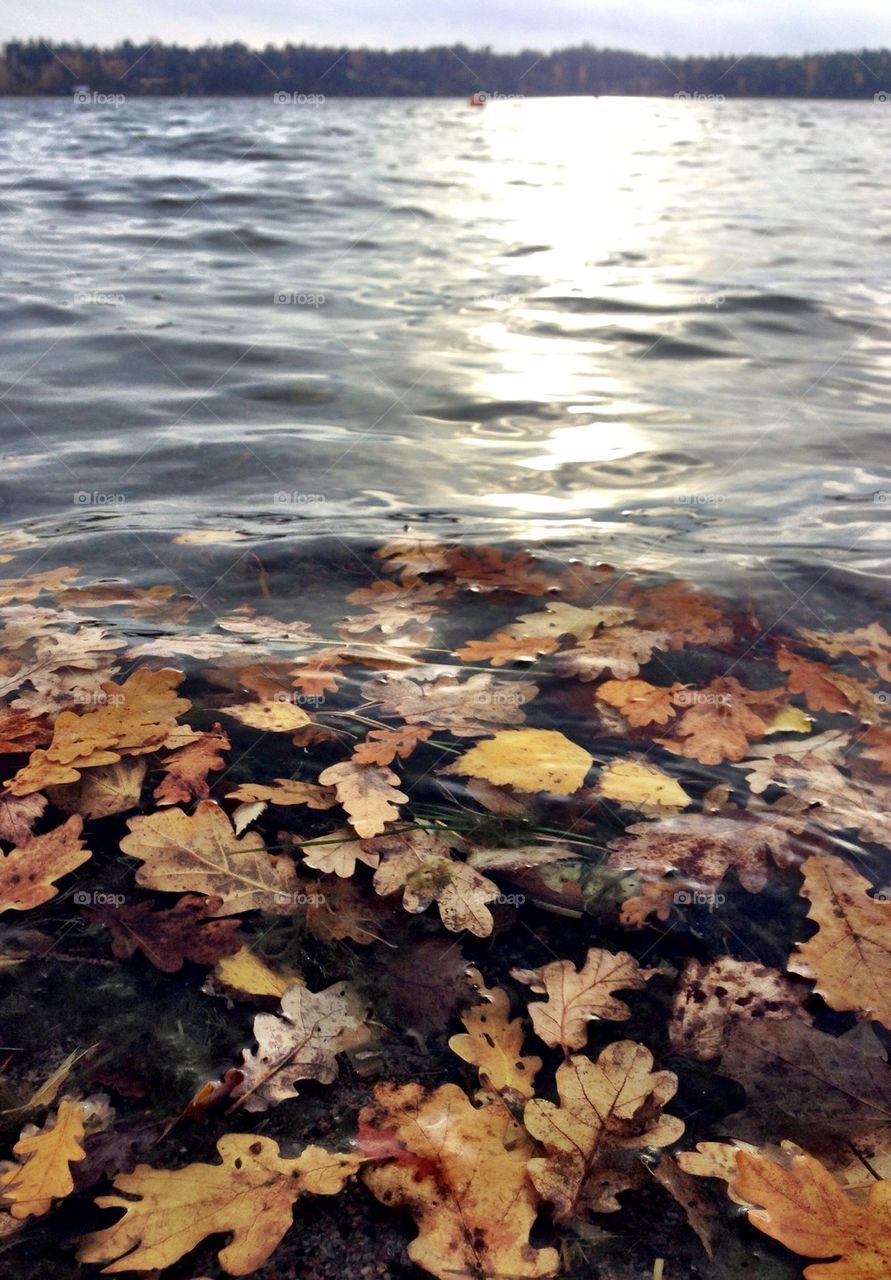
[38, 67]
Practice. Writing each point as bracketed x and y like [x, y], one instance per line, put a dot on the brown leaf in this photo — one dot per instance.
[486, 569]
[318, 675]
[186, 770]
[702, 848]
[622, 650]
[18, 815]
[460, 1171]
[102, 792]
[607, 1109]
[137, 717]
[170, 937]
[823, 688]
[750, 1023]
[420, 863]
[199, 852]
[687, 614]
[719, 723]
[639, 702]
[301, 1044]
[286, 791]
[502, 648]
[849, 958]
[381, 746]
[28, 872]
[368, 793]
[467, 709]
[20, 731]
[577, 997]
[426, 982]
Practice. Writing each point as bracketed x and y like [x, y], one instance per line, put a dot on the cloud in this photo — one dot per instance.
[652, 26]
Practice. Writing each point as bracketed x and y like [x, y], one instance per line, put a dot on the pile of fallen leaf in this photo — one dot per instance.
[345, 840]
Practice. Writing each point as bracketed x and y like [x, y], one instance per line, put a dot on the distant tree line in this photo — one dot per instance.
[39, 67]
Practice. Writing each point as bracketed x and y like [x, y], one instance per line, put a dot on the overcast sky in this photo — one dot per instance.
[653, 26]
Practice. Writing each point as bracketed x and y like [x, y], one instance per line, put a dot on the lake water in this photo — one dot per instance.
[653, 330]
[244, 344]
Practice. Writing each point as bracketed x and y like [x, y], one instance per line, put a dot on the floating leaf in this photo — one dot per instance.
[528, 759]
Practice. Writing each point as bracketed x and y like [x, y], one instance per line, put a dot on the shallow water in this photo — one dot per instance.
[650, 327]
[651, 333]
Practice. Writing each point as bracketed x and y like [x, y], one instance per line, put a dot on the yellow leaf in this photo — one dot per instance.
[137, 717]
[461, 1173]
[200, 853]
[250, 1197]
[808, 1211]
[527, 759]
[849, 957]
[27, 873]
[247, 973]
[790, 720]
[576, 997]
[641, 786]
[274, 715]
[367, 792]
[494, 1044]
[31, 1188]
[606, 1107]
[110, 789]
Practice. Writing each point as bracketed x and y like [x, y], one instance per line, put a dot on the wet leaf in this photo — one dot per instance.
[804, 1208]
[199, 852]
[576, 997]
[301, 1044]
[30, 1187]
[460, 1171]
[420, 863]
[169, 937]
[369, 793]
[186, 770]
[249, 1197]
[607, 1109]
[528, 759]
[637, 785]
[28, 873]
[494, 1044]
[849, 958]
